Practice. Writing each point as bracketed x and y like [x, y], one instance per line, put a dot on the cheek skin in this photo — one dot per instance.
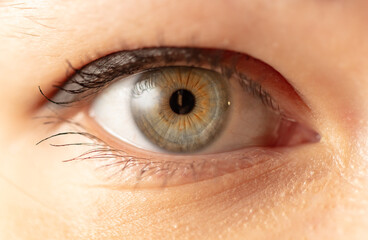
[299, 193]
[254, 202]
[236, 207]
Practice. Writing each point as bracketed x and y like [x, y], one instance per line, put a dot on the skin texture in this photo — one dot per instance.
[311, 192]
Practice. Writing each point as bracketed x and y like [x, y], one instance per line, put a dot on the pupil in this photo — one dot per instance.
[182, 101]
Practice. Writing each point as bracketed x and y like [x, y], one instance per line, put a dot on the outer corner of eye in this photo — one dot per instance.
[195, 109]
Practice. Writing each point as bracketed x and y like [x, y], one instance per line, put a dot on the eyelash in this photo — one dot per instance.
[96, 76]
[117, 161]
[87, 82]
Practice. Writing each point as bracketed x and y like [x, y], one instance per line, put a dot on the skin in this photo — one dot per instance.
[316, 191]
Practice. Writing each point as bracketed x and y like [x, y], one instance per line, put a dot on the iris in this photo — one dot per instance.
[180, 109]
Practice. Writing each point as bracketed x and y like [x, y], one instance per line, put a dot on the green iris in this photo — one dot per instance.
[180, 109]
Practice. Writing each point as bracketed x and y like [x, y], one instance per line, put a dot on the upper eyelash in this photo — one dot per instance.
[95, 76]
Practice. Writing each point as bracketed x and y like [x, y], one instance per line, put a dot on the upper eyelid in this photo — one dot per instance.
[102, 71]
[95, 76]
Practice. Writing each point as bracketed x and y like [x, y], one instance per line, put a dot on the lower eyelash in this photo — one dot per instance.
[114, 162]
[114, 158]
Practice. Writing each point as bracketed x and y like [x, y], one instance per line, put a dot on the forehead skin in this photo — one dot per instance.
[321, 47]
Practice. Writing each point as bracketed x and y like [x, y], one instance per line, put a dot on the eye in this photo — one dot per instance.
[185, 107]
[185, 110]
[174, 109]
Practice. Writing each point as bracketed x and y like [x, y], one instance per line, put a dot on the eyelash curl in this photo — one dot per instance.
[96, 76]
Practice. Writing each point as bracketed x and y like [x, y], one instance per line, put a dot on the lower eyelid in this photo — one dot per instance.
[121, 166]
[134, 168]
[134, 171]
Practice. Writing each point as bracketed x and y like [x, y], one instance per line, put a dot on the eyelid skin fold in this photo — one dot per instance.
[131, 167]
